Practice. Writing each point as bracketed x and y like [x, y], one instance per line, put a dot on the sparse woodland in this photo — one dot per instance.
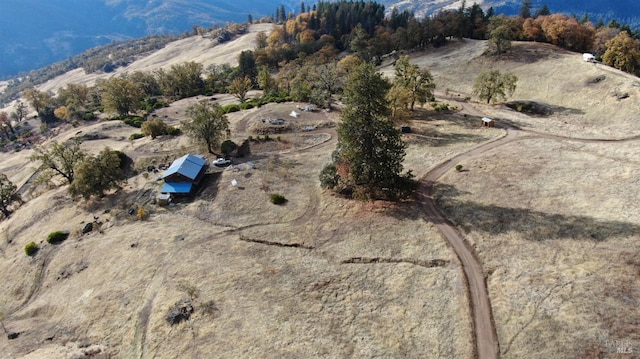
[298, 61]
[166, 281]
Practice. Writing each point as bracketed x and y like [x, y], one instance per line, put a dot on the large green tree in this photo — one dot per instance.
[493, 85]
[182, 80]
[623, 53]
[95, 175]
[207, 125]
[417, 81]
[247, 66]
[120, 95]
[41, 102]
[59, 158]
[502, 30]
[368, 158]
[8, 194]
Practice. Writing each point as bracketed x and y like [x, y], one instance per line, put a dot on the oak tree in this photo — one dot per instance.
[623, 53]
[417, 81]
[120, 95]
[60, 158]
[239, 87]
[207, 125]
[96, 175]
[493, 85]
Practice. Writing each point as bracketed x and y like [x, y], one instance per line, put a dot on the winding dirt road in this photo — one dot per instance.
[485, 336]
[486, 339]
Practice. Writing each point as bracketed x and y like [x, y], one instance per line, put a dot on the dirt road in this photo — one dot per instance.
[486, 339]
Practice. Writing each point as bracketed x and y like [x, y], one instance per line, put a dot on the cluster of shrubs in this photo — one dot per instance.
[441, 107]
[234, 107]
[56, 237]
[133, 121]
[265, 138]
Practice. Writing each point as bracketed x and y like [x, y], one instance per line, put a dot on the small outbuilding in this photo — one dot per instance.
[487, 122]
[184, 174]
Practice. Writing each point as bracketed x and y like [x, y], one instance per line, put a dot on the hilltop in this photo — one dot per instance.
[547, 212]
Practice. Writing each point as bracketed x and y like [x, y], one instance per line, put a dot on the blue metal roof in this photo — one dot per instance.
[187, 165]
[176, 187]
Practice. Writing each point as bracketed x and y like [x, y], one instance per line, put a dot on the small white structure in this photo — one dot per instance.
[294, 114]
[587, 57]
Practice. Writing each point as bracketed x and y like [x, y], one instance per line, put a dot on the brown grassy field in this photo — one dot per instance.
[553, 221]
[320, 276]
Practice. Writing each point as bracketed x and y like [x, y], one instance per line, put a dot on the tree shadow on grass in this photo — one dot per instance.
[533, 225]
[540, 109]
[435, 138]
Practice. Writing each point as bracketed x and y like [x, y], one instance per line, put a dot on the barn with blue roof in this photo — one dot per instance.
[184, 174]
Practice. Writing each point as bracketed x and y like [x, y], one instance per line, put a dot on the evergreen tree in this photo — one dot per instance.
[247, 66]
[368, 159]
[525, 9]
[543, 11]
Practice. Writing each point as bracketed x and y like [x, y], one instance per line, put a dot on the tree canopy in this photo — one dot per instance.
[623, 53]
[207, 125]
[8, 194]
[60, 158]
[120, 95]
[418, 82]
[493, 85]
[239, 87]
[367, 162]
[95, 175]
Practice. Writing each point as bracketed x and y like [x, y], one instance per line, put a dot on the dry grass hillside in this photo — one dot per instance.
[553, 221]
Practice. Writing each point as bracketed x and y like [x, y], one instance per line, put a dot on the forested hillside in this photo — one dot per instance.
[36, 33]
[54, 30]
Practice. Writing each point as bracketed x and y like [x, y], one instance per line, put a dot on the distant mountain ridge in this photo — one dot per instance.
[35, 33]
